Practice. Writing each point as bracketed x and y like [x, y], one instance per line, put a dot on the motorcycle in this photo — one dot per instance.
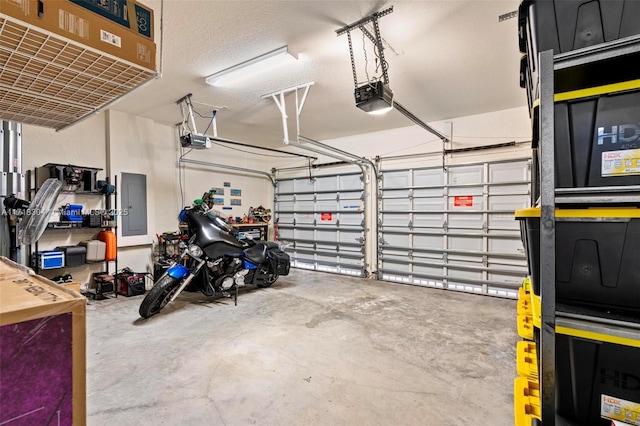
[216, 260]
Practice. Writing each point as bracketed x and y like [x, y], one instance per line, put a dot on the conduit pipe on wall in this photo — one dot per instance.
[361, 161]
[329, 151]
[357, 161]
[228, 167]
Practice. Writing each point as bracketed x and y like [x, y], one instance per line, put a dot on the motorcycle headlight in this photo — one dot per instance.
[195, 250]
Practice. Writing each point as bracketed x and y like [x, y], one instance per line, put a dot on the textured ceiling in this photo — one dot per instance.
[446, 59]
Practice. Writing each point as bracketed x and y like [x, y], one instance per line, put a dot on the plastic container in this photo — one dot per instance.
[595, 379]
[566, 25]
[526, 360]
[50, 259]
[597, 255]
[525, 327]
[71, 213]
[524, 303]
[596, 140]
[74, 255]
[109, 238]
[529, 82]
[526, 401]
[96, 250]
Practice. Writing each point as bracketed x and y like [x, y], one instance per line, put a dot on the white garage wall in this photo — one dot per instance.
[198, 179]
[118, 142]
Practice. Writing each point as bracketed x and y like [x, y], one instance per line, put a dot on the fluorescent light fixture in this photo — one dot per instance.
[252, 67]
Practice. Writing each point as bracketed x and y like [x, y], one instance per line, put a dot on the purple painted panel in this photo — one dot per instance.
[36, 378]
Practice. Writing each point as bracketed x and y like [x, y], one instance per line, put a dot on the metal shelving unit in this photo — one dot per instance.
[559, 318]
[32, 176]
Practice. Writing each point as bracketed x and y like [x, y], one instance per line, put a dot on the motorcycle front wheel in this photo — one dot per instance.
[159, 296]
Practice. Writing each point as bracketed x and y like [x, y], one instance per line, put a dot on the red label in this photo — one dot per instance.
[463, 201]
[326, 216]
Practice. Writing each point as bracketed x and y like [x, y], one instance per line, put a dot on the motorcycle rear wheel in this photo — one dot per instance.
[267, 283]
[159, 296]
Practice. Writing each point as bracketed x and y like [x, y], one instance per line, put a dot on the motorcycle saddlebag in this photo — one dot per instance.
[280, 262]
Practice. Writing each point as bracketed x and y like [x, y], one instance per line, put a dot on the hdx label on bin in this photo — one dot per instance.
[614, 408]
[621, 163]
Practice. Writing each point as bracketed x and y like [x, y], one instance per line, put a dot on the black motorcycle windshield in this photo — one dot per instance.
[208, 233]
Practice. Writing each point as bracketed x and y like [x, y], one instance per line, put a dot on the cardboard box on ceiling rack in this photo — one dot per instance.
[79, 24]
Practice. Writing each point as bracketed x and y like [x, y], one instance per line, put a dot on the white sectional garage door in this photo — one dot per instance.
[324, 220]
[455, 229]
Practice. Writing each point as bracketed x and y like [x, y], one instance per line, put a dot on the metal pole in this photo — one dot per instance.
[231, 142]
[226, 166]
[547, 240]
[364, 20]
[374, 185]
[419, 122]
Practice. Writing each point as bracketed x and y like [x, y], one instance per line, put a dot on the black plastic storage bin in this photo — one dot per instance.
[566, 25]
[595, 379]
[597, 256]
[74, 255]
[596, 140]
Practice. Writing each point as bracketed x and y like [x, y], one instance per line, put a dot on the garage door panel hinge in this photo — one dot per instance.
[410, 225]
[338, 197]
[485, 227]
[360, 240]
[445, 257]
[485, 261]
[445, 226]
[315, 222]
[410, 196]
[382, 242]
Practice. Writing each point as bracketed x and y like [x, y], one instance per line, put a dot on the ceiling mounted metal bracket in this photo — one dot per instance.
[187, 111]
[186, 103]
[375, 38]
[278, 98]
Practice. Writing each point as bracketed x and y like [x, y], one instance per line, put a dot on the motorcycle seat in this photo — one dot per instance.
[258, 253]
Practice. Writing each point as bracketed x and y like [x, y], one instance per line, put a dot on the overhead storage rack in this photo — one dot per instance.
[53, 81]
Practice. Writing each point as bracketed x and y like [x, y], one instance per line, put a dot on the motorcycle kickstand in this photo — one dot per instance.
[235, 298]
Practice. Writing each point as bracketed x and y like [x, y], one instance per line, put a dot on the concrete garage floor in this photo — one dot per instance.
[314, 349]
